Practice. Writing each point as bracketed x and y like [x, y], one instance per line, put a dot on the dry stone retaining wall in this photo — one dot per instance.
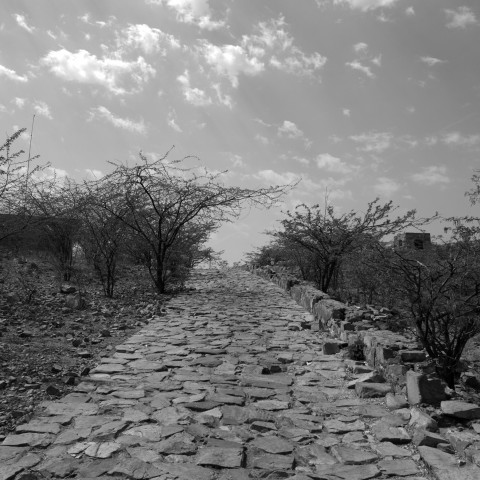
[392, 354]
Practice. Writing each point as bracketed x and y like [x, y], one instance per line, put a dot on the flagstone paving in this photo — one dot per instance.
[227, 386]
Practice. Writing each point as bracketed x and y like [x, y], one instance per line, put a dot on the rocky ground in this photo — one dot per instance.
[46, 348]
[226, 385]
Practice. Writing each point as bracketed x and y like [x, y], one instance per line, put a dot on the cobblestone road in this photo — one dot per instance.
[224, 386]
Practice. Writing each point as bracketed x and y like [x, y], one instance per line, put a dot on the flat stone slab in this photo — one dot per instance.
[271, 405]
[28, 440]
[459, 409]
[401, 468]
[108, 368]
[313, 454]
[353, 456]
[267, 381]
[445, 465]
[73, 409]
[220, 457]
[36, 427]
[274, 462]
[272, 444]
[184, 471]
[388, 449]
[386, 433]
[147, 366]
[348, 472]
[337, 426]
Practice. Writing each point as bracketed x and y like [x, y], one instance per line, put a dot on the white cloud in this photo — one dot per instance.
[347, 112]
[275, 178]
[302, 160]
[22, 22]
[172, 121]
[386, 186]
[328, 162]
[274, 38]
[12, 75]
[149, 40]
[460, 18]
[457, 139]
[94, 174]
[433, 175]
[377, 60]
[19, 102]
[376, 142]
[431, 61]
[360, 47]
[223, 98]
[270, 45]
[98, 23]
[381, 17]
[356, 65]
[42, 109]
[231, 61]
[197, 12]
[366, 5]
[410, 11]
[336, 187]
[411, 109]
[297, 63]
[50, 173]
[237, 160]
[290, 130]
[262, 139]
[118, 122]
[194, 96]
[111, 73]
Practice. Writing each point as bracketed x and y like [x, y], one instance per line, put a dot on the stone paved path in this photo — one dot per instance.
[224, 386]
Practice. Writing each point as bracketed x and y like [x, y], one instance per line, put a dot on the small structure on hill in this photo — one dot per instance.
[412, 241]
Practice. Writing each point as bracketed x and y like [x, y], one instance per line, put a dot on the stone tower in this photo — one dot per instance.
[412, 240]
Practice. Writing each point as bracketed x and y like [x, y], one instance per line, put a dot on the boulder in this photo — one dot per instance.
[75, 302]
[395, 402]
[424, 389]
[420, 419]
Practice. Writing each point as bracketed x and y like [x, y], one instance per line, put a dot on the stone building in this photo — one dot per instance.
[412, 240]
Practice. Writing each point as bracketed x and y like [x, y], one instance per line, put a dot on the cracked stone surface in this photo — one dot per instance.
[225, 386]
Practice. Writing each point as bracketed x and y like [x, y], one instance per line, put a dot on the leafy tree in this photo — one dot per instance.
[329, 237]
[163, 201]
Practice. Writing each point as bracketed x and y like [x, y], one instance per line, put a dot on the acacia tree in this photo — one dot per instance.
[329, 237]
[17, 178]
[103, 235]
[441, 288]
[55, 205]
[161, 201]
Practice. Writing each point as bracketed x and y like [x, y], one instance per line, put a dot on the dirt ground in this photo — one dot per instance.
[45, 346]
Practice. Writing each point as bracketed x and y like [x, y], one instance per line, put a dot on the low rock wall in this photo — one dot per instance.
[392, 354]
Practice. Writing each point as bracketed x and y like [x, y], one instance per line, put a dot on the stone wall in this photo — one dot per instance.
[397, 357]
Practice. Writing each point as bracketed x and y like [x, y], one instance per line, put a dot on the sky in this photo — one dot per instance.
[357, 99]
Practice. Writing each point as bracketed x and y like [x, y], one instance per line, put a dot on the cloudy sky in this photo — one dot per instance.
[358, 98]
